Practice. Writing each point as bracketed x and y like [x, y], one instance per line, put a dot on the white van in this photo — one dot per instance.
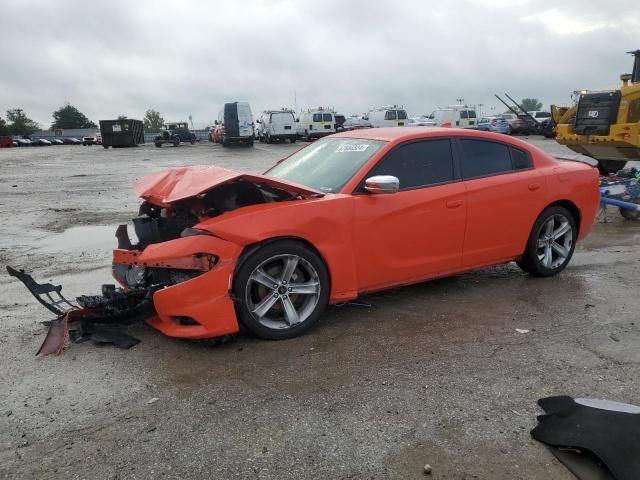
[393, 116]
[276, 125]
[235, 124]
[456, 116]
[316, 123]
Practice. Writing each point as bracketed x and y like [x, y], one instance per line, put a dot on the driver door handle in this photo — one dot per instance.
[454, 203]
[534, 186]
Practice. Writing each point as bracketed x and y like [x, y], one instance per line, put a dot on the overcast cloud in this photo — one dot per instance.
[181, 57]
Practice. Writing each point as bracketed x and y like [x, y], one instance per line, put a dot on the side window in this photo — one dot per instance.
[521, 160]
[327, 117]
[418, 164]
[402, 115]
[390, 115]
[463, 114]
[317, 117]
[481, 158]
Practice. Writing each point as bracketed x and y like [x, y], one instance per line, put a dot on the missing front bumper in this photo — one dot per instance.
[100, 318]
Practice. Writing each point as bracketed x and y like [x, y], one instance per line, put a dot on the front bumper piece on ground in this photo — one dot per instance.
[100, 318]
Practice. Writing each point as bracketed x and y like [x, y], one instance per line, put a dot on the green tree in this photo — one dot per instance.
[69, 116]
[122, 118]
[20, 123]
[4, 128]
[153, 121]
[531, 104]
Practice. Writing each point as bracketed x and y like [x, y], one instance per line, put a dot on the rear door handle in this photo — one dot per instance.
[534, 186]
[454, 203]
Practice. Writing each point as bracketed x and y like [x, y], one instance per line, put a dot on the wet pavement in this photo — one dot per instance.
[433, 373]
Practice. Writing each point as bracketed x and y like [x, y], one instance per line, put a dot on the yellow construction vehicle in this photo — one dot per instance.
[604, 125]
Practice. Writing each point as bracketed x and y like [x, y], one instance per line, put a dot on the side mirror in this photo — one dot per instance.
[382, 184]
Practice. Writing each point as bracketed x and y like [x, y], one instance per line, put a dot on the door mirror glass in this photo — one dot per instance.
[382, 184]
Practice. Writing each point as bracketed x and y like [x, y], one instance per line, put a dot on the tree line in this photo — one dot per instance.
[66, 117]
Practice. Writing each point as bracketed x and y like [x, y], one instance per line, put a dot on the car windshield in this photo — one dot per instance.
[328, 164]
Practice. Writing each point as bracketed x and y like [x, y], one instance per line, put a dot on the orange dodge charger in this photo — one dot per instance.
[352, 213]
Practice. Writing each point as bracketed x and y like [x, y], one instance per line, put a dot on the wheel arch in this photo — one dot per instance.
[573, 209]
[249, 249]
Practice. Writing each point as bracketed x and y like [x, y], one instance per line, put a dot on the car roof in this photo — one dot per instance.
[392, 134]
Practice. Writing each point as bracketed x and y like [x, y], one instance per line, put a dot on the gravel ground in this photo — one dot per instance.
[433, 373]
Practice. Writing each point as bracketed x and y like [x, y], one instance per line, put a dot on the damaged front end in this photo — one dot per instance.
[172, 271]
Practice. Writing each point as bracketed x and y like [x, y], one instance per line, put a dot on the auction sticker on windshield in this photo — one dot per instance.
[352, 148]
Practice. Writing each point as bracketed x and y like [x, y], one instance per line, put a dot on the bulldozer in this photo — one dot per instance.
[604, 124]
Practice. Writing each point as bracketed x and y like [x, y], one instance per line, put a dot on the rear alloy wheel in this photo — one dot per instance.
[281, 290]
[551, 243]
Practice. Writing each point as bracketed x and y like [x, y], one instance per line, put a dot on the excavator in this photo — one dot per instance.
[604, 124]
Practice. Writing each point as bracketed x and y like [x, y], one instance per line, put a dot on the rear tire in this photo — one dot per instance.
[630, 214]
[293, 139]
[158, 144]
[264, 287]
[551, 243]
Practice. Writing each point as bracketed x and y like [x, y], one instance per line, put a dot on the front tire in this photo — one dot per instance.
[551, 243]
[281, 290]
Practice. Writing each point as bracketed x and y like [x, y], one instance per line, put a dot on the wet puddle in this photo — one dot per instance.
[87, 237]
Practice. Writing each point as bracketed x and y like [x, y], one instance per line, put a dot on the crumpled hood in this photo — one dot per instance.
[163, 188]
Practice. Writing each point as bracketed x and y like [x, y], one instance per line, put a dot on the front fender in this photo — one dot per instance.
[326, 223]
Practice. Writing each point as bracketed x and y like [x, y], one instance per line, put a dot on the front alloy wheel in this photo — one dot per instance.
[281, 290]
[551, 243]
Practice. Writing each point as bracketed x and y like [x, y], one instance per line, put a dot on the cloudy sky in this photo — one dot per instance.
[122, 57]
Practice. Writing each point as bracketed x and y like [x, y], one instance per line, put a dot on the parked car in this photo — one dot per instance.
[234, 124]
[175, 134]
[316, 123]
[71, 141]
[494, 124]
[392, 116]
[540, 115]
[57, 141]
[40, 142]
[89, 140]
[356, 123]
[340, 119]
[421, 122]
[518, 124]
[22, 142]
[376, 191]
[276, 125]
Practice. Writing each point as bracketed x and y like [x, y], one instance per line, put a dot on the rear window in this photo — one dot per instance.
[521, 160]
[472, 114]
[390, 115]
[463, 114]
[327, 117]
[402, 115]
[481, 158]
[542, 115]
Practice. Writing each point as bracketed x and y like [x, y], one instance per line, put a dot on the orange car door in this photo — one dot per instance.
[505, 195]
[417, 232]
